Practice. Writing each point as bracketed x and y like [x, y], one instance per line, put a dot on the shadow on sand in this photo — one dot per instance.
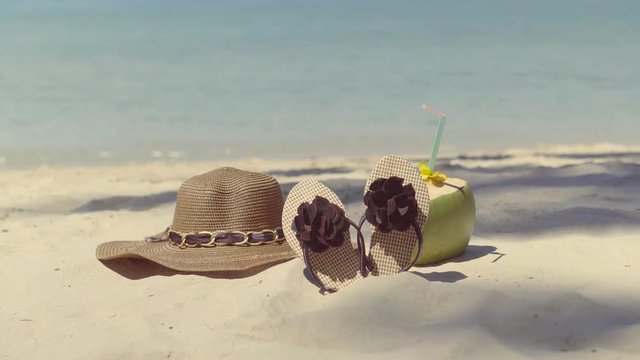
[132, 203]
[136, 269]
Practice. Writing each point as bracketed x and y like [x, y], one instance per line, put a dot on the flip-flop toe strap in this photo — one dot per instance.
[365, 265]
[418, 232]
[365, 259]
[307, 263]
[416, 228]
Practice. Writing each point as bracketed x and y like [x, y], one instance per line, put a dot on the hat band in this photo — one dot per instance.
[219, 238]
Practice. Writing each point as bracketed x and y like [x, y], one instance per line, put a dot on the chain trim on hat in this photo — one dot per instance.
[219, 238]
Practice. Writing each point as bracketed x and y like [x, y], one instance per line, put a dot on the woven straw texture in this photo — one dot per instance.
[228, 199]
[336, 267]
[391, 252]
[224, 199]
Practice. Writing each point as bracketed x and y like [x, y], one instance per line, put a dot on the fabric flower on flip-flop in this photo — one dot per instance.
[391, 205]
[320, 224]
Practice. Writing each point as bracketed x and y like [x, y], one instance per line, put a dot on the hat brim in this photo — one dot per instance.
[214, 259]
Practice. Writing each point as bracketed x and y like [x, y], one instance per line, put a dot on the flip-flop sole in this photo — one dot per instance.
[390, 253]
[336, 267]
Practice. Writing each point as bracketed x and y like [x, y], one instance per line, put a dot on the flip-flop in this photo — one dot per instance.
[397, 203]
[317, 229]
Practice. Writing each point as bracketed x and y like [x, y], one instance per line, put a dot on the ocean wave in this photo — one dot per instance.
[548, 156]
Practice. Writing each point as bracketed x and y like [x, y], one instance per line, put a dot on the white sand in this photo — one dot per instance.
[558, 292]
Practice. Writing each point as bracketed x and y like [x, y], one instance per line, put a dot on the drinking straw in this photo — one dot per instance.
[442, 119]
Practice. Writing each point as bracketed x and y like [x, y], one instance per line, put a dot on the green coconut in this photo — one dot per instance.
[452, 216]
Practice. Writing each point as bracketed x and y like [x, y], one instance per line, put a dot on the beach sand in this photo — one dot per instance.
[552, 270]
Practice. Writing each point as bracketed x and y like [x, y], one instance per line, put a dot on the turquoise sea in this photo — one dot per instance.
[86, 81]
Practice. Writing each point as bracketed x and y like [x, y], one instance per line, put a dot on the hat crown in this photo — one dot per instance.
[228, 199]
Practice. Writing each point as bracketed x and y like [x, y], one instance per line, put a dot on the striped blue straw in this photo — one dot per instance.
[442, 119]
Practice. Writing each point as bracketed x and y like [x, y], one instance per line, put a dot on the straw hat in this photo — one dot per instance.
[226, 220]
